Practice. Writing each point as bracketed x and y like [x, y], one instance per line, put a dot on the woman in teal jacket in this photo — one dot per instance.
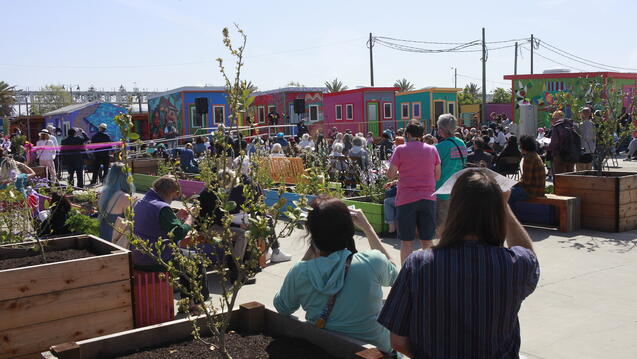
[357, 290]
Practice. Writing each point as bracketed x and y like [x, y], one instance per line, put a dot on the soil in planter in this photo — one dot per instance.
[51, 257]
[239, 347]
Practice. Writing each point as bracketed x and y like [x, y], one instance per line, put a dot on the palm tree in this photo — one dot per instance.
[335, 86]
[473, 89]
[7, 99]
[248, 85]
[404, 85]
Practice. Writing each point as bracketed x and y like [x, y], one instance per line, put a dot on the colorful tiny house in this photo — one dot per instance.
[281, 101]
[178, 106]
[367, 109]
[426, 105]
[87, 116]
[540, 89]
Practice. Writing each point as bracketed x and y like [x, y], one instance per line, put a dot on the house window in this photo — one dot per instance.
[404, 111]
[65, 128]
[387, 110]
[196, 119]
[339, 112]
[271, 108]
[451, 108]
[314, 115]
[218, 114]
[415, 110]
[261, 114]
[349, 112]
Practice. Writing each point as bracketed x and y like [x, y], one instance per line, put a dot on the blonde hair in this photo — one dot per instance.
[276, 148]
[6, 167]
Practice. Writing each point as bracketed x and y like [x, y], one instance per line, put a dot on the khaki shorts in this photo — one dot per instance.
[442, 208]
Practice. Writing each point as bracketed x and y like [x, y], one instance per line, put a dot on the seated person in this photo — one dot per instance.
[187, 160]
[280, 139]
[200, 146]
[306, 141]
[335, 269]
[154, 220]
[480, 158]
[358, 152]
[17, 173]
[54, 219]
[276, 151]
[461, 299]
[389, 207]
[533, 181]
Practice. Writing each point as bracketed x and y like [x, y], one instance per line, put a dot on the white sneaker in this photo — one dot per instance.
[268, 254]
[279, 256]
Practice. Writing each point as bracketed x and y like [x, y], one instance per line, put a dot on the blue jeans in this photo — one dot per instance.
[518, 193]
[389, 209]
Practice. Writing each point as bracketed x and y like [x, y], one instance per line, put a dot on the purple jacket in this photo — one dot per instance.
[147, 226]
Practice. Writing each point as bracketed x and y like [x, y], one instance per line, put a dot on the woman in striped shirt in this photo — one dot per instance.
[461, 299]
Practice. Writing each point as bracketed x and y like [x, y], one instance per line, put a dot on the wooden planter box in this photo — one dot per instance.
[373, 211]
[40, 171]
[65, 301]
[609, 202]
[249, 318]
[144, 182]
[148, 166]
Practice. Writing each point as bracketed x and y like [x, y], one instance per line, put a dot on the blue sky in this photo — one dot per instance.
[166, 44]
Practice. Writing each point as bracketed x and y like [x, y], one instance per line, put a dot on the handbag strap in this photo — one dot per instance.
[320, 323]
[458, 147]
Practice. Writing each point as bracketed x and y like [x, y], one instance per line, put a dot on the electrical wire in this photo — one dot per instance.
[554, 61]
[548, 45]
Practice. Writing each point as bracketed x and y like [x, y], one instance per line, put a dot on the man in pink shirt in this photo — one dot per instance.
[417, 167]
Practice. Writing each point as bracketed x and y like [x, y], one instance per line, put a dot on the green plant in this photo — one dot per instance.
[501, 95]
[85, 196]
[605, 97]
[83, 224]
[404, 85]
[335, 86]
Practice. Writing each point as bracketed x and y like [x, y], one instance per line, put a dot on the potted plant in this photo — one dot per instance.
[608, 199]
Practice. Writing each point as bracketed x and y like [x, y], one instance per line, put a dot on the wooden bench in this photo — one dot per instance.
[148, 166]
[285, 169]
[568, 211]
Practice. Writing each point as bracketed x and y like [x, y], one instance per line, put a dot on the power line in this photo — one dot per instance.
[479, 79]
[576, 60]
[554, 61]
[548, 45]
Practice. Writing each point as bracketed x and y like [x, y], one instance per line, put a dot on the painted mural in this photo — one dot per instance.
[90, 117]
[163, 109]
[541, 92]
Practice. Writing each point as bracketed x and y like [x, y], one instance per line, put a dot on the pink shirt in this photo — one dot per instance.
[416, 162]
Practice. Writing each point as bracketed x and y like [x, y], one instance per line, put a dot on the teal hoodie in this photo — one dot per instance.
[309, 284]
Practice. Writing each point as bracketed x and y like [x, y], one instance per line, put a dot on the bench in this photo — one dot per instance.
[568, 211]
[285, 169]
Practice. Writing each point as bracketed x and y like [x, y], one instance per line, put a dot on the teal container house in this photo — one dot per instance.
[426, 105]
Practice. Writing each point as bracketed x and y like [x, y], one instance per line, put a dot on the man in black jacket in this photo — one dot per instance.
[102, 155]
[72, 152]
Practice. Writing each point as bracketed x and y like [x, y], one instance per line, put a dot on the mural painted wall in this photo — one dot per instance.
[89, 118]
[541, 91]
[163, 109]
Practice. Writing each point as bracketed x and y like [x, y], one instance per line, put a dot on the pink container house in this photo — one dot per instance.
[365, 109]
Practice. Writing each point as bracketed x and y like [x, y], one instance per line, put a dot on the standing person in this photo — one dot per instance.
[273, 121]
[170, 131]
[72, 152]
[453, 155]
[102, 155]
[416, 165]
[562, 148]
[46, 154]
[55, 135]
[301, 129]
[461, 299]
[385, 147]
[588, 133]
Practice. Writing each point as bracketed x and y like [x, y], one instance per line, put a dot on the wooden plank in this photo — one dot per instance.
[628, 182]
[565, 182]
[601, 211]
[39, 337]
[628, 223]
[63, 304]
[45, 278]
[598, 223]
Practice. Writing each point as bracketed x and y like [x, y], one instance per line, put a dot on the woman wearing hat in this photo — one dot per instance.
[46, 153]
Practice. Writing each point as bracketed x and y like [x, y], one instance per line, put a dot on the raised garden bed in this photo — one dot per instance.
[608, 202]
[251, 318]
[188, 187]
[67, 300]
[148, 166]
[272, 196]
[373, 211]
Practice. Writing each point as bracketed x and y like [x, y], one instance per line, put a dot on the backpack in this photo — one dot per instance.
[571, 148]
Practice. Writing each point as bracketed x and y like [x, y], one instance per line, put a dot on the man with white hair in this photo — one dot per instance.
[453, 155]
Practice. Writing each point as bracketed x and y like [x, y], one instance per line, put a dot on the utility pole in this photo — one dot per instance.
[371, 59]
[484, 79]
[455, 77]
[532, 45]
[515, 62]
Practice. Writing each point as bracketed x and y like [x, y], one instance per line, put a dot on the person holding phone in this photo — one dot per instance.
[339, 287]
[461, 299]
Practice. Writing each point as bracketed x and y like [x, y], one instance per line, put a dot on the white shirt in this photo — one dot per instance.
[46, 154]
